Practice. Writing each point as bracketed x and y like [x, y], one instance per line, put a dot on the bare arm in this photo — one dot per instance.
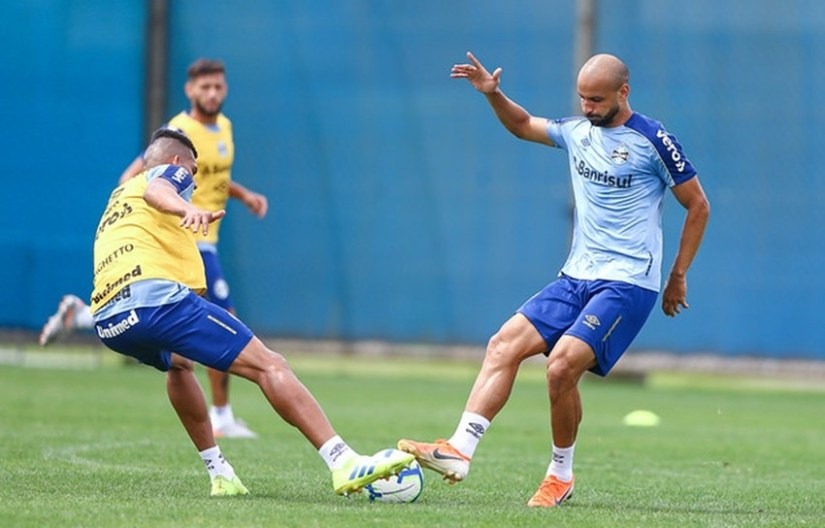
[257, 203]
[514, 118]
[692, 198]
[134, 168]
[162, 195]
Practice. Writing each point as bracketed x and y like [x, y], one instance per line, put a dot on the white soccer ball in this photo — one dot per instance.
[401, 488]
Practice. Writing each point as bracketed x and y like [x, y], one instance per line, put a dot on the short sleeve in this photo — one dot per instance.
[178, 176]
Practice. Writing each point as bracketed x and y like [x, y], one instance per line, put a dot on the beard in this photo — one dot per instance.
[207, 112]
[605, 120]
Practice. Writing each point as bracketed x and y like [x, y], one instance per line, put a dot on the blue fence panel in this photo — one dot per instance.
[741, 86]
[72, 101]
[400, 208]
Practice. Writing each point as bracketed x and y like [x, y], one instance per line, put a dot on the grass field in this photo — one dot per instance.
[100, 446]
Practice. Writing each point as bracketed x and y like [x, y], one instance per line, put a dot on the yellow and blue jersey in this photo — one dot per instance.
[216, 153]
[135, 242]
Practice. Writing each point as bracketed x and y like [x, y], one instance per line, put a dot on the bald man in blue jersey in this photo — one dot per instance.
[621, 164]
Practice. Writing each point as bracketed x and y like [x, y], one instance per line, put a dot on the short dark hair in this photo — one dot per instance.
[175, 134]
[204, 67]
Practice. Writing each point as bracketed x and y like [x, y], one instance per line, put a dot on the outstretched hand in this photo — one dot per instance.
[477, 74]
[198, 219]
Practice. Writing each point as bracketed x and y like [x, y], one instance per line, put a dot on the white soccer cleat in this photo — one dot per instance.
[234, 429]
[64, 320]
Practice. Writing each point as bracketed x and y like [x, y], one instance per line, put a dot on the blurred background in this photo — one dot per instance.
[400, 209]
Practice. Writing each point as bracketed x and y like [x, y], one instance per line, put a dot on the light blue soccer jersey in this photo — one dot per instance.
[619, 178]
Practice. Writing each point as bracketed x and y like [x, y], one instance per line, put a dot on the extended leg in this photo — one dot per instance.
[513, 343]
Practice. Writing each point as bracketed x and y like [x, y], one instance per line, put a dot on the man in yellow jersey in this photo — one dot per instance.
[211, 132]
[147, 270]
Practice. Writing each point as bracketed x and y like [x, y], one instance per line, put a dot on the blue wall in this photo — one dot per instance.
[71, 102]
[400, 208]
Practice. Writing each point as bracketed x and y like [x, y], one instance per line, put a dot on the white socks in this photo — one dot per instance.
[221, 416]
[216, 464]
[468, 434]
[562, 464]
[83, 317]
[335, 452]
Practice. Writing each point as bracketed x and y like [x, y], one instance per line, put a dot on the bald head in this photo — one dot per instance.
[603, 88]
[605, 69]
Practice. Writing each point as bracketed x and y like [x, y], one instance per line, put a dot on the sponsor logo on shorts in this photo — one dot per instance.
[220, 289]
[591, 321]
[115, 329]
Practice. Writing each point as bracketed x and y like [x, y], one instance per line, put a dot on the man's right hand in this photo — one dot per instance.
[477, 74]
[198, 219]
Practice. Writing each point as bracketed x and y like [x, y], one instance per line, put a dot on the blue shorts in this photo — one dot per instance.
[193, 328]
[607, 315]
[217, 289]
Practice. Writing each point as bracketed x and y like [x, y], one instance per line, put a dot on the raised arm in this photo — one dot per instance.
[514, 118]
[692, 198]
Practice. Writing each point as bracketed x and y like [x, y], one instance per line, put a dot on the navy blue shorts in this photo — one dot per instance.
[607, 315]
[193, 328]
[217, 289]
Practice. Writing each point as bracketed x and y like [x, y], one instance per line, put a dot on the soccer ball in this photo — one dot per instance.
[401, 488]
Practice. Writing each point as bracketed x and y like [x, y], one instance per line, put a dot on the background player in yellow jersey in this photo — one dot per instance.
[211, 132]
[147, 271]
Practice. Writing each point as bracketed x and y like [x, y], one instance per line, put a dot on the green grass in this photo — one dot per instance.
[100, 446]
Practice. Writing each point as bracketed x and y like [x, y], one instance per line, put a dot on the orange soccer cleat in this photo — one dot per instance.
[440, 456]
[552, 492]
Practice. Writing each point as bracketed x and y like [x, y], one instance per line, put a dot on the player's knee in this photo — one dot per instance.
[275, 362]
[181, 364]
[273, 366]
[560, 373]
[499, 350]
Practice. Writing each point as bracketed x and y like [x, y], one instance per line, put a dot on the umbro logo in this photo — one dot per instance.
[475, 429]
[337, 450]
[591, 321]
